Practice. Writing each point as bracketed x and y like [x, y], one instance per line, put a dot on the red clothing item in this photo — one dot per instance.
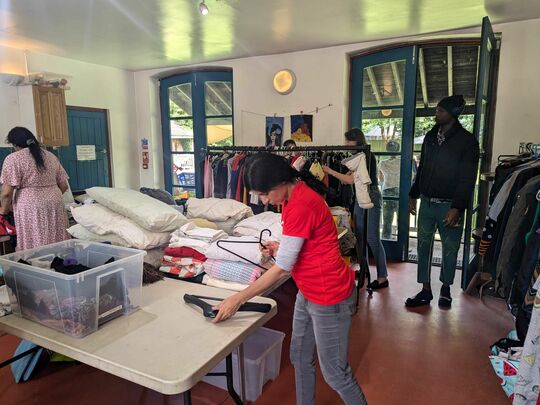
[184, 252]
[320, 272]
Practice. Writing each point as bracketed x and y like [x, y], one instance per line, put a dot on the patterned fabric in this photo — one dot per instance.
[506, 370]
[232, 271]
[527, 386]
[181, 267]
[440, 137]
[40, 216]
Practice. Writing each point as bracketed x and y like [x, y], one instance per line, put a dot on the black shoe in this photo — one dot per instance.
[424, 297]
[375, 285]
[445, 299]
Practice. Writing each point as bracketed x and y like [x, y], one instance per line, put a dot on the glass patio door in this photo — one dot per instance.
[484, 85]
[382, 105]
[196, 111]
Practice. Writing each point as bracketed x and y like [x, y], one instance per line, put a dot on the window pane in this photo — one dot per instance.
[382, 126]
[180, 100]
[183, 192]
[183, 170]
[218, 98]
[383, 84]
[219, 131]
[389, 174]
[182, 135]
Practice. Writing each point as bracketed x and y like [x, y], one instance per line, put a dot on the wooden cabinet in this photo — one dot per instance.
[51, 116]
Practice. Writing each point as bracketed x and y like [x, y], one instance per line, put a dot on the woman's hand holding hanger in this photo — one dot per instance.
[269, 249]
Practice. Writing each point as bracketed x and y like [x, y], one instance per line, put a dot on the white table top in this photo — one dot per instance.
[167, 345]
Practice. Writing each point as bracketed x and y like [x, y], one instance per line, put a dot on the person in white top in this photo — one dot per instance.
[389, 175]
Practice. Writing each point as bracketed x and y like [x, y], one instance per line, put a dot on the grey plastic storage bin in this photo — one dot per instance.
[262, 361]
[74, 304]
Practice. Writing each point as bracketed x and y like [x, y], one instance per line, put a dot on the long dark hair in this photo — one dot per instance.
[264, 171]
[24, 138]
[356, 134]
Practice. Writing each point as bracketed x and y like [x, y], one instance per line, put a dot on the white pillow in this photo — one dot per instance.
[227, 226]
[253, 226]
[80, 232]
[217, 209]
[102, 221]
[146, 211]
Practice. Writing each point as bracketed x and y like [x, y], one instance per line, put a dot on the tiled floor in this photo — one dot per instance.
[401, 357]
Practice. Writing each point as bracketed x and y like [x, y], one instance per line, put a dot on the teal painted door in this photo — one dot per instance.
[483, 107]
[4, 152]
[86, 128]
[382, 105]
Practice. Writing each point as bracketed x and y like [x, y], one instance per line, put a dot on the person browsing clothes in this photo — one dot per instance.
[355, 137]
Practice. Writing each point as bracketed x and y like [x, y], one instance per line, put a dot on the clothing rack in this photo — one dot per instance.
[216, 149]
[361, 249]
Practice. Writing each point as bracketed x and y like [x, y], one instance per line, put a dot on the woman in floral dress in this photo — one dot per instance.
[33, 181]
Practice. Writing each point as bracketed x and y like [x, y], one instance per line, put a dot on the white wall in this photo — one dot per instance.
[323, 78]
[91, 86]
[518, 112]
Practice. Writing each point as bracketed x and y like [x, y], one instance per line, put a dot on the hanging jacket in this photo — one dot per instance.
[357, 165]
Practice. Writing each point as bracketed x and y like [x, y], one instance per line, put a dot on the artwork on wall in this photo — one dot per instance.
[302, 128]
[274, 131]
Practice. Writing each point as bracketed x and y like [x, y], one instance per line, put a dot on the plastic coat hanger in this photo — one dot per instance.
[240, 241]
[210, 312]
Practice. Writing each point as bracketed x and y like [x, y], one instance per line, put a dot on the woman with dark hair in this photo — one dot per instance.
[309, 251]
[33, 181]
[355, 137]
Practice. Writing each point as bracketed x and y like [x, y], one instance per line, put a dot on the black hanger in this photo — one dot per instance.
[241, 241]
[210, 312]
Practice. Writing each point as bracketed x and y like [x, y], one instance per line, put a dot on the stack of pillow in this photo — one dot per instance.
[125, 217]
[224, 213]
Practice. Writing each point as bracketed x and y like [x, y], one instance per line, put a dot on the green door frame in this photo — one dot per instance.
[483, 107]
[395, 250]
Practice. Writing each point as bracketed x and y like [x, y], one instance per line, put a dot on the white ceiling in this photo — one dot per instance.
[141, 34]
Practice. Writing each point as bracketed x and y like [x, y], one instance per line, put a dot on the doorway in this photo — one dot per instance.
[394, 93]
[87, 158]
[382, 105]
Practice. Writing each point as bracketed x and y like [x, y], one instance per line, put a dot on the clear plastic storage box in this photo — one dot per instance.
[74, 304]
[262, 361]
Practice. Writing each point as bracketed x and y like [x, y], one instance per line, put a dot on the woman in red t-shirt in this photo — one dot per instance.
[309, 251]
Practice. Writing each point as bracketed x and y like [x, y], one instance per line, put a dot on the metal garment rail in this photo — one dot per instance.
[361, 247]
[338, 148]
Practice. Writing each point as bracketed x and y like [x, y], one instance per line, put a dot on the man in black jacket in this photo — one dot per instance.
[444, 182]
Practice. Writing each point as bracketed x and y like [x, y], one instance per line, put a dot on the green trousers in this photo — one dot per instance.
[430, 219]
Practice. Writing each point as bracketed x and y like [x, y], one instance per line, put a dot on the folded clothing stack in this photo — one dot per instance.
[181, 267]
[232, 271]
[184, 257]
[192, 231]
[245, 246]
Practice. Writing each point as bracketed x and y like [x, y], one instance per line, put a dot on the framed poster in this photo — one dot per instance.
[274, 131]
[302, 128]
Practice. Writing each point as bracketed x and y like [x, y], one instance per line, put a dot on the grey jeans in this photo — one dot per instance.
[325, 328]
